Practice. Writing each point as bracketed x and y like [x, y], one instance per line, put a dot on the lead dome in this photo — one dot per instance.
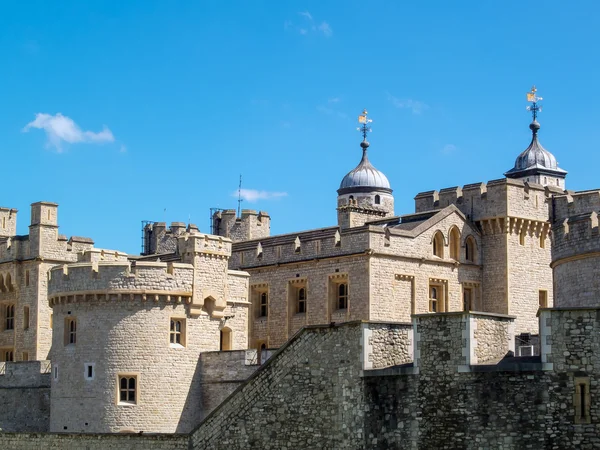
[365, 175]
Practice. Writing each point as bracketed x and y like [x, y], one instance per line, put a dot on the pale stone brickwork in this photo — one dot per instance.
[123, 315]
[24, 265]
[251, 225]
[25, 396]
[387, 345]
[514, 220]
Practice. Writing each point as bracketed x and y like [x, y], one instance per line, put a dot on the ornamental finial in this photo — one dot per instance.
[365, 128]
[534, 99]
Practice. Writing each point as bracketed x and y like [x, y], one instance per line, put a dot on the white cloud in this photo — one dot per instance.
[308, 26]
[325, 29]
[60, 129]
[415, 106]
[253, 195]
[448, 149]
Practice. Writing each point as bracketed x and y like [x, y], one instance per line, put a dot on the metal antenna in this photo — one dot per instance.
[534, 99]
[240, 200]
[364, 128]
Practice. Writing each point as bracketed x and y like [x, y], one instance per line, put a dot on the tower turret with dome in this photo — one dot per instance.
[536, 164]
[365, 193]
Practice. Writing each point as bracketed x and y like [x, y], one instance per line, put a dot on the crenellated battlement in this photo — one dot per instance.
[204, 244]
[158, 238]
[251, 224]
[121, 280]
[496, 198]
[575, 203]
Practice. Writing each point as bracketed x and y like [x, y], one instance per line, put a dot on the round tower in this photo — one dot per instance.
[365, 193]
[127, 338]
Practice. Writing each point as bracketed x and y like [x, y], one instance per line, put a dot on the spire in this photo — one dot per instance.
[536, 164]
[364, 129]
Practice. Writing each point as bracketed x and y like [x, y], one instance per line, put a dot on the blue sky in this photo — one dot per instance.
[165, 104]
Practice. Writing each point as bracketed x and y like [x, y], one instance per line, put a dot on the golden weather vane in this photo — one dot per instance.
[534, 99]
[365, 121]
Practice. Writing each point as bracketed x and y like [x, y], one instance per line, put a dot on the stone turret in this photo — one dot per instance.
[251, 224]
[365, 193]
[8, 222]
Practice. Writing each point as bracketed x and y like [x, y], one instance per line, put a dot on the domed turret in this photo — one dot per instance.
[365, 193]
[364, 175]
[536, 164]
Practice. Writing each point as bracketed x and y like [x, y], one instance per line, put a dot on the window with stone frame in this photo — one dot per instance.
[582, 400]
[7, 355]
[9, 317]
[259, 296]
[342, 296]
[438, 244]
[177, 332]
[264, 304]
[438, 291]
[297, 296]
[471, 295]
[70, 331]
[127, 389]
[301, 300]
[470, 247]
[26, 317]
[543, 298]
[454, 238]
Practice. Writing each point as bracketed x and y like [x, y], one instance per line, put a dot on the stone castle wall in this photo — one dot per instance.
[24, 396]
[123, 314]
[251, 225]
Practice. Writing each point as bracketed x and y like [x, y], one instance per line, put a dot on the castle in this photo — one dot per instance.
[471, 323]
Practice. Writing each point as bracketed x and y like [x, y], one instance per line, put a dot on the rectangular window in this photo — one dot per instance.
[9, 317]
[582, 400]
[27, 278]
[264, 304]
[543, 299]
[25, 356]
[88, 371]
[128, 389]
[55, 371]
[70, 331]
[467, 299]
[26, 317]
[301, 300]
[438, 295]
[177, 332]
[342, 296]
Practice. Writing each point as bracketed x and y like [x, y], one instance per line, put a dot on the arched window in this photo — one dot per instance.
[225, 339]
[377, 199]
[342, 296]
[438, 244]
[70, 330]
[127, 389]
[470, 249]
[454, 243]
